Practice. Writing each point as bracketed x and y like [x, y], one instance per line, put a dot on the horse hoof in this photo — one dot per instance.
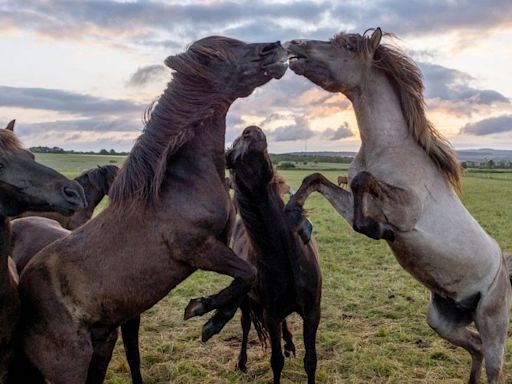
[195, 307]
[388, 233]
[289, 351]
[305, 230]
[241, 367]
[209, 330]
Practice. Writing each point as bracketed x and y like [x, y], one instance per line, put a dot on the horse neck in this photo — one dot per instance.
[94, 197]
[262, 214]
[197, 107]
[379, 114]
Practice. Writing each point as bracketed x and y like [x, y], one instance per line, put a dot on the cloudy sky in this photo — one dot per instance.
[79, 74]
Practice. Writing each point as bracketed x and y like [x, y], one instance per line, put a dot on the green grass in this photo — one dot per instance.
[373, 327]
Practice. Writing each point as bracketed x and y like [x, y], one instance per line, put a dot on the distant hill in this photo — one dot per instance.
[484, 154]
[471, 155]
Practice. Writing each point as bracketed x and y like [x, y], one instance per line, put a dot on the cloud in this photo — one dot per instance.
[418, 17]
[341, 132]
[455, 91]
[489, 126]
[147, 74]
[298, 131]
[95, 124]
[451, 84]
[65, 101]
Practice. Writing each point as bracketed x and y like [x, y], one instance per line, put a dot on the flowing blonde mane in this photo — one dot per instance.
[407, 81]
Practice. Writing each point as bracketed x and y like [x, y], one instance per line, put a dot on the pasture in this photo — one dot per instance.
[373, 327]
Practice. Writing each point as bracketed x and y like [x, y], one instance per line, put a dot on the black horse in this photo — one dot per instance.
[288, 274]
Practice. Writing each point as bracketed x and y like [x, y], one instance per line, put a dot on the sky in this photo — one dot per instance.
[79, 74]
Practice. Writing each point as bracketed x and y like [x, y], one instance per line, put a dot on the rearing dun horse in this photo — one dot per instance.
[403, 183]
[168, 216]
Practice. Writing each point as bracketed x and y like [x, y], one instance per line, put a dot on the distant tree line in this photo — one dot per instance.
[487, 164]
[290, 158]
[60, 150]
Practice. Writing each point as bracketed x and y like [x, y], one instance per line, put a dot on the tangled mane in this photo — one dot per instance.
[407, 81]
[8, 142]
[190, 99]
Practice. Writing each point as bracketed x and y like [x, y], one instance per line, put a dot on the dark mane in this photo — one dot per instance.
[8, 142]
[406, 79]
[101, 176]
[191, 97]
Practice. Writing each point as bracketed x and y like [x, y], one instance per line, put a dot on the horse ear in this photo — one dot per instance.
[10, 126]
[375, 39]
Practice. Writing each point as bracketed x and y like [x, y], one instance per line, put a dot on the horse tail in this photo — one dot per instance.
[256, 315]
[508, 263]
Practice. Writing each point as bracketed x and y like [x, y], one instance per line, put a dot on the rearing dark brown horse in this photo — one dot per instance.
[288, 275]
[167, 218]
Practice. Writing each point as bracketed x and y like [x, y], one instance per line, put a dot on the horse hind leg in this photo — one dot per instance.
[245, 321]
[310, 327]
[492, 319]
[450, 323]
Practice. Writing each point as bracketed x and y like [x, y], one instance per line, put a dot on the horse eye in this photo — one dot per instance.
[1, 165]
[349, 47]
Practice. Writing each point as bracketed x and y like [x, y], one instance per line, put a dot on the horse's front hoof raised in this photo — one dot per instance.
[388, 233]
[298, 222]
[305, 231]
[210, 329]
[195, 307]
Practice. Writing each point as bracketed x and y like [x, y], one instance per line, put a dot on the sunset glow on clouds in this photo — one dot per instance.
[79, 74]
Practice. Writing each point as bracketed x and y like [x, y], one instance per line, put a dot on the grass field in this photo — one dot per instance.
[373, 327]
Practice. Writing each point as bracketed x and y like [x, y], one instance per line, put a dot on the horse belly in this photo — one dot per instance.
[450, 257]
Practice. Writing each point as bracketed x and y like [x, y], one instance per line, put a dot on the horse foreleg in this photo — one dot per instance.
[277, 359]
[103, 343]
[289, 347]
[130, 332]
[221, 259]
[391, 207]
[340, 199]
[245, 322]
[310, 327]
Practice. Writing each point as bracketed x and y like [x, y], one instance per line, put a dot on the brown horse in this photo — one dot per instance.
[31, 234]
[167, 218]
[343, 181]
[288, 274]
[24, 185]
[96, 183]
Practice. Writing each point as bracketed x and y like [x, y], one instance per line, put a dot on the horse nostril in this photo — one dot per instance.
[72, 196]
